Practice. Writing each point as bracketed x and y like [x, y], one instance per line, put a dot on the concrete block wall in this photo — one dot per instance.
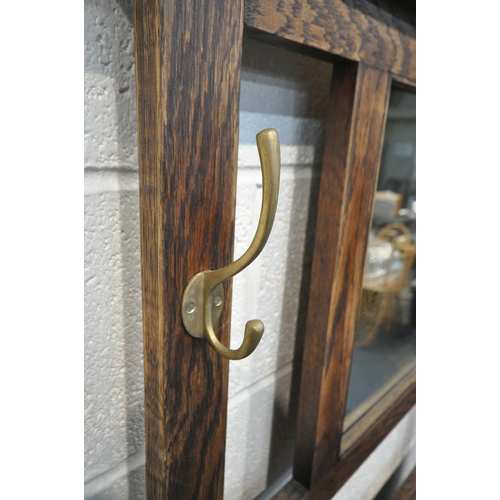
[279, 90]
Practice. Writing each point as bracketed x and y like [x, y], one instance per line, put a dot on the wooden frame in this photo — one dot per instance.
[188, 57]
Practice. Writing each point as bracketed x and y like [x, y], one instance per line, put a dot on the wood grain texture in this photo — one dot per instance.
[369, 421]
[353, 144]
[188, 57]
[408, 490]
[350, 462]
[291, 491]
[389, 412]
[357, 30]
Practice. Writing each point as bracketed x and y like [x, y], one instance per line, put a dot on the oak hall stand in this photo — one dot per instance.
[188, 57]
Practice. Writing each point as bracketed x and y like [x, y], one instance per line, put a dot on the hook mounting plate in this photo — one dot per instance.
[192, 304]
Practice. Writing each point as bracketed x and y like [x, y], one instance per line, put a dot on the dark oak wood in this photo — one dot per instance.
[408, 490]
[369, 421]
[357, 30]
[354, 132]
[394, 408]
[361, 410]
[188, 57]
[352, 459]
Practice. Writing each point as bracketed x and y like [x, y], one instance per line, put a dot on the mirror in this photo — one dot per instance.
[384, 344]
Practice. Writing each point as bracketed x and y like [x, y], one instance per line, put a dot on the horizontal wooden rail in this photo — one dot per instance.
[357, 30]
[389, 411]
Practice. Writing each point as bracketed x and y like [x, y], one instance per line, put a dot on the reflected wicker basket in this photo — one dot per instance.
[380, 300]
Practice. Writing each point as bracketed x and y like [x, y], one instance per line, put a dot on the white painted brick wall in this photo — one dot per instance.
[279, 90]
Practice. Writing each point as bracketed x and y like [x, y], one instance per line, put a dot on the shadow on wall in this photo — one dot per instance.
[111, 156]
[131, 267]
[284, 422]
[288, 92]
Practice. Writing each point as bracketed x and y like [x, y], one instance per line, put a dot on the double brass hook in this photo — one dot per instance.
[203, 297]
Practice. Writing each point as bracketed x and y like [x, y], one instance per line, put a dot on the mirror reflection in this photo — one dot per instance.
[384, 346]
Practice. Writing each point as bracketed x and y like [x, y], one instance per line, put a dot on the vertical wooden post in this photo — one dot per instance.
[188, 57]
[353, 144]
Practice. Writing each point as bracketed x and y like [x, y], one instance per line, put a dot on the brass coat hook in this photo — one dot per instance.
[203, 296]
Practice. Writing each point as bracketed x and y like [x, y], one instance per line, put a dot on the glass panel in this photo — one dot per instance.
[289, 92]
[384, 346]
